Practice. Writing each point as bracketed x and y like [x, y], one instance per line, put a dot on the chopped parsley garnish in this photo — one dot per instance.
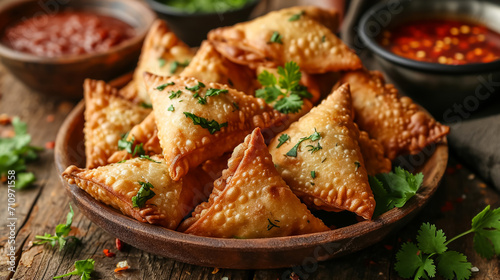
[144, 193]
[83, 268]
[122, 161]
[146, 105]
[212, 126]
[171, 108]
[136, 150]
[394, 189]
[276, 38]
[161, 62]
[430, 255]
[313, 174]
[15, 152]
[177, 64]
[358, 165]
[283, 138]
[62, 231]
[148, 158]
[175, 94]
[323, 39]
[196, 87]
[272, 225]
[162, 87]
[215, 91]
[313, 137]
[296, 16]
[285, 91]
[210, 92]
[313, 148]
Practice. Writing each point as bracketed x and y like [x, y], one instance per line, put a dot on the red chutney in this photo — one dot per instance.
[443, 41]
[67, 33]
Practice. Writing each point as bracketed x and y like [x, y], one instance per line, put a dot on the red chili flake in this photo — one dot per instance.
[108, 253]
[121, 268]
[450, 170]
[5, 119]
[119, 244]
[459, 166]
[448, 206]
[50, 118]
[3, 179]
[388, 247]
[50, 145]
[459, 199]
[418, 253]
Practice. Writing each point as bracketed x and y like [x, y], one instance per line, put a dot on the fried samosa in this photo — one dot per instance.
[400, 125]
[107, 117]
[140, 188]
[286, 35]
[197, 122]
[320, 159]
[251, 200]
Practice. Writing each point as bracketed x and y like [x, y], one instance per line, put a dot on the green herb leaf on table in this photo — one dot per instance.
[212, 126]
[452, 264]
[394, 189]
[430, 240]
[83, 268]
[144, 193]
[282, 139]
[486, 226]
[15, 152]
[62, 231]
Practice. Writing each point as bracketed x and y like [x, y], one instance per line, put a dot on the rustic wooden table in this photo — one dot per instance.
[41, 207]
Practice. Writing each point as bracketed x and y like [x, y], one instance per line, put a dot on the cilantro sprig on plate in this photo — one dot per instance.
[285, 91]
[430, 256]
[62, 231]
[15, 152]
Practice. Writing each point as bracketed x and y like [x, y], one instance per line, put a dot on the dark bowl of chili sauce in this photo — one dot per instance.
[52, 47]
[444, 54]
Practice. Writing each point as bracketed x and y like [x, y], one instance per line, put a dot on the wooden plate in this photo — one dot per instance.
[238, 253]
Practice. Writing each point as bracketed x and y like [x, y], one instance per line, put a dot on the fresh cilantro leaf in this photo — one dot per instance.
[149, 158]
[293, 151]
[144, 193]
[128, 146]
[62, 231]
[138, 150]
[486, 228]
[313, 174]
[290, 75]
[171, 108]
[177, 64]
[394, 189]
[161, 62]
[175, 94]
[162, 87]
[212, 126]
[289, 104]
[408, 260]
[301, 91]
[146, 105]
[452, 264]
[283, 138]
[196, 87]
[426, 270]
[313, 137]
[269, 94]
[296, 16]
[83, 268]
[313, 148]
[215, 91]
[15, 152]
[267, 79]
[323, 39]
[276, 38]
[430, 240]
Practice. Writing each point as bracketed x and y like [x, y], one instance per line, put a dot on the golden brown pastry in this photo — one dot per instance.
[210, 66]
[117, 184]
[373, 155]
[108, 116]
[320, 159]
[162, 54]
[400, 125]
[251, 200]
[198, 121]
[285, 35]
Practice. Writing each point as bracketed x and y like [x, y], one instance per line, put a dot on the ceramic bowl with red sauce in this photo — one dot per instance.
[52, 46]
[444, 54]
